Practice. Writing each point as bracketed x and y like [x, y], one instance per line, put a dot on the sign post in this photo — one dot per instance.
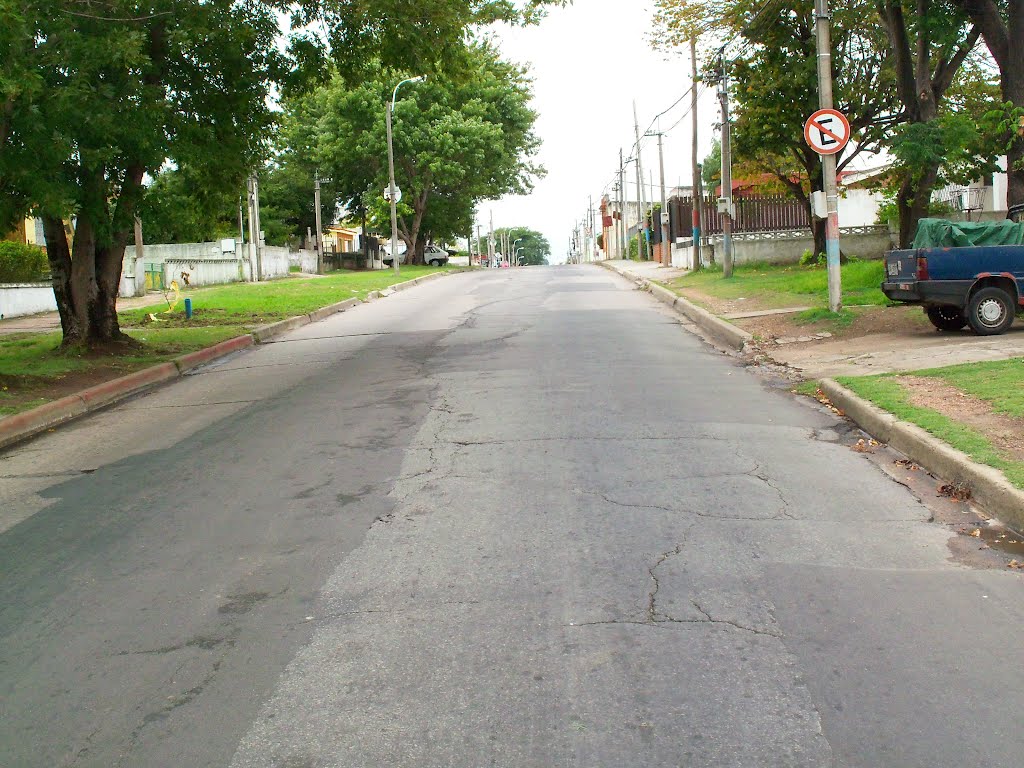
[827, 131]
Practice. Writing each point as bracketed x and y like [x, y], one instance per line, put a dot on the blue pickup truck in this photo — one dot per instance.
[959, 276]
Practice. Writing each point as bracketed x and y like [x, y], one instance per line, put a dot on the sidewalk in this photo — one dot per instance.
[45, 322]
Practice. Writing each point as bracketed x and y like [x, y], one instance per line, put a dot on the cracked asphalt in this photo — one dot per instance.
[511, 518]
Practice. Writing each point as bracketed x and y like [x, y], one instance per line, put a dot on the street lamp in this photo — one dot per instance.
[392, 189]
[513, 261]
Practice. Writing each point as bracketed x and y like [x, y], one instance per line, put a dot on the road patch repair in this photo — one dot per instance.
[952, 402]
[112, 388]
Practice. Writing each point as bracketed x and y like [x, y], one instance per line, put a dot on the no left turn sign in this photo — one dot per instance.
[827, 131]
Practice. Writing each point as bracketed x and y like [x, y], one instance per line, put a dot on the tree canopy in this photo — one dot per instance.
[95, 95]
[457, 141]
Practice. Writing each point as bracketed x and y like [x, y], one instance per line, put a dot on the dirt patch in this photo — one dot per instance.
[1005, 432]
[20, 390]
[866, 321]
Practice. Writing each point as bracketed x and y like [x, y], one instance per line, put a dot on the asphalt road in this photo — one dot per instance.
[512, 518]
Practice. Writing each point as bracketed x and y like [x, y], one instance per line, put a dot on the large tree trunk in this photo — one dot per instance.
[913, 201]
[60, 273]
[86, 278]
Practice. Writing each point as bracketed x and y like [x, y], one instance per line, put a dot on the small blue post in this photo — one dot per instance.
[188, 309]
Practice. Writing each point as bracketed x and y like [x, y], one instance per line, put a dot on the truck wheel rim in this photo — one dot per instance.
[990, 312]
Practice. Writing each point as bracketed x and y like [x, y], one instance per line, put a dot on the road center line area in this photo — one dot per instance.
[514, 518]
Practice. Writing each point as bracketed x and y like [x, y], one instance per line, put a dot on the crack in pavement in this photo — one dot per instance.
[652, 597]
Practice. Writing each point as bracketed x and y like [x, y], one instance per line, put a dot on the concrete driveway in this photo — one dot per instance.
[909, 350]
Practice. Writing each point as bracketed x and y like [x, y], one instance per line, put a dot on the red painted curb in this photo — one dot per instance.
[27, 423]
[109, 391]
[200, 356]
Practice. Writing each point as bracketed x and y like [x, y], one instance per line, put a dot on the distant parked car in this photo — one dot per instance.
[432, 255]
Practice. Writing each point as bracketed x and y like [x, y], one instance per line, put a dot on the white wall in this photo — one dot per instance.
[783, 248]
[18, 299]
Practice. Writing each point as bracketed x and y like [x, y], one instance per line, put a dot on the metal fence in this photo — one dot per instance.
[758, 213]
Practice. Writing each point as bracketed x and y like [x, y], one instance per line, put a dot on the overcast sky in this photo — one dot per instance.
[589, 61]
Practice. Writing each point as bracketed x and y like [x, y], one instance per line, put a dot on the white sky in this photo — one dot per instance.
[590, 60]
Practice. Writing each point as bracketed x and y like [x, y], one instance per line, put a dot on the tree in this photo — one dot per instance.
[930, 41]
[95, 95]
[457, 140]
[175, 209]
[118, 88]
[1002, 26]
[775, 83]
[535, 247]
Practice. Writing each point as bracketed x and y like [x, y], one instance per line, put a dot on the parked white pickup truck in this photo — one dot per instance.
[433, 255]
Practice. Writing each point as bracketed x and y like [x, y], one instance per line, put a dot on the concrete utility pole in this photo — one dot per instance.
[725, 204]
[255, 241]
[241, 229]
[640, 228]
[392, 187]
[319, 225]
[623, 227]
[478, 253]
[490, 244]
[835, 288]
[695, 160]
[666, 246]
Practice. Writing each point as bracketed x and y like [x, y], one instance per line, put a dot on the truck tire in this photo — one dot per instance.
[946, 317]
[990, 311]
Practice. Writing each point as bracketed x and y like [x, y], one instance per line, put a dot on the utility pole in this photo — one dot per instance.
[666, 246]
[835, 289]
[241, 229]
[695, 160]
[593, 235]
[256, 257]
[623, 229]
[319, 225]
[478, 253]
[490, 243]
[641, 217]
[725, 205]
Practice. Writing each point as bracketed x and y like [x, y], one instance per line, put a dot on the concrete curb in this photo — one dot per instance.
[23, 425]
[989, 487]
[195, 359]
[721, 331]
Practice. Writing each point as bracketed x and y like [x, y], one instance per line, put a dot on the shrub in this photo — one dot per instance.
[812, 259]
[20, 263]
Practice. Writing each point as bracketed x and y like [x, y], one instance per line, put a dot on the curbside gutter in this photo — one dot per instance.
[23, 425]
[721, 331]
[989, 487]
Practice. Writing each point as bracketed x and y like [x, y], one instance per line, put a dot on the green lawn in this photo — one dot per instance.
[776, 286]
[1000, 383]
[252, 305]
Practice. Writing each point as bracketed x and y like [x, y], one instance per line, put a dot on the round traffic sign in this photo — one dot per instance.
[827, 131]
[398, 194]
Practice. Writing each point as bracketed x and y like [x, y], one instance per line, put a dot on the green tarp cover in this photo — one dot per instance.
[941, 233]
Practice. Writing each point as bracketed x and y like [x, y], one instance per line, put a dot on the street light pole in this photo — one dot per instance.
[392, 189]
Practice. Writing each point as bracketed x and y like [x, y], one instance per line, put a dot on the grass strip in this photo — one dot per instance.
[254, 304]
[887, 394]
[785, 285]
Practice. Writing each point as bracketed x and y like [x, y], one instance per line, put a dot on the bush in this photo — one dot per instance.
[20, 263]
[812, 259]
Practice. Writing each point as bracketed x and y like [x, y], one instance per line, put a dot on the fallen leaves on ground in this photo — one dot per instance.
[958, 491]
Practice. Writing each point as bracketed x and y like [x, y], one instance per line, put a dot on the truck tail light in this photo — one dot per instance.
[922, 268]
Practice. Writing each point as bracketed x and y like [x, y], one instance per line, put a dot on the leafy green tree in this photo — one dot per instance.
[534, 246]
[116, 89]
[1001, 23]
[457, 140]
[774, 84]
[95, 95]
[930, 40]
[175, 209]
